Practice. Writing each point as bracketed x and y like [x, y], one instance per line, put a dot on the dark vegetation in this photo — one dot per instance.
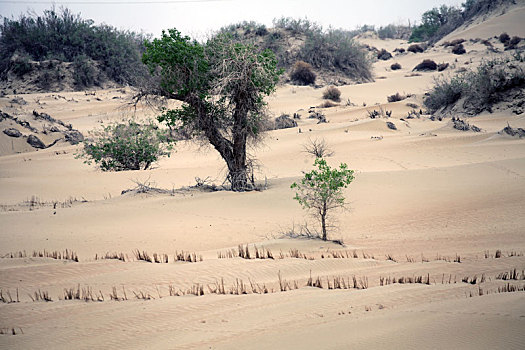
[395, 66]
[332, 93]
[302, 73]
[395, 97]
[98, 52]
[458, 49]
[426, 65]
[489, 84]
[415, 48]
[438, 22]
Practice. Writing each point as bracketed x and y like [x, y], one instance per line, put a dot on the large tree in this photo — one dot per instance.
[222, 85]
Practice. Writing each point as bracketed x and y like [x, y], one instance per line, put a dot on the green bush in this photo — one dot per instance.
[332, 93]
[302, 73]
[126, 146]
[21, 65]
[84, 72]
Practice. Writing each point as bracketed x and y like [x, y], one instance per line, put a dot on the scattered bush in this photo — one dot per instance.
[332, 93]
[126, 146]
[318, 148]
[284, 122]
[399, 49]
[504, 38]
[442, 66]
[481, 89]
[426, 65]
[384, 55]
[396, 97]
[395, 66]
[391, 126]
[302, 73]
[453, 42]
[458, 49]
[415, 48]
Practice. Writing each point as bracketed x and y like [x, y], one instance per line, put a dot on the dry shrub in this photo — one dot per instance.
[395, 66]
[415, 48]
[396, 97]
[442, 67]
[426, 65]
[459, 49]
[332, 93]
[503, 38]
[303, 73]
[384, 55]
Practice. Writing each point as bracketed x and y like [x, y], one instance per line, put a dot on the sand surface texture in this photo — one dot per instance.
[434, 232]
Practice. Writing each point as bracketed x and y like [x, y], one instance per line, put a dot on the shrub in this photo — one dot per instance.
[84, 72]
[453, 42]
[481, 89]
[396, 97]
[126, 146]
[284, 122]
[415, 48]
[458, 49]
[400, 50]
[384, 55]
[442, 66]
[426, 65]
[395, 66]
[332, 93]
[302, 73]
[504, 38]
[21, 65]
[335, 50]
[513, 43]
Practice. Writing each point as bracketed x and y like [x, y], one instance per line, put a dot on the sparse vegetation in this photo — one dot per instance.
[458, 49]
[320, 191]
[318, 148]
[415, 48]
[396, 97]
[481, 88]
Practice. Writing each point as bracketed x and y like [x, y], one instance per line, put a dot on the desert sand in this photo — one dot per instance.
[428, 202]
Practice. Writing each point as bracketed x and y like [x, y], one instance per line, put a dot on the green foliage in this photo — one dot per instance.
[85, 74]
[21, 65]
[65, 36]
[126, 146]
[222, 84]
[321, 190]
[481, 88]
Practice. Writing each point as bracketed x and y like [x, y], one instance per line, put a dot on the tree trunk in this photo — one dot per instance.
[323, 221]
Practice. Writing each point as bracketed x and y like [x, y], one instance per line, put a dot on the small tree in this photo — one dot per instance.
[321, 190]
[126, 146]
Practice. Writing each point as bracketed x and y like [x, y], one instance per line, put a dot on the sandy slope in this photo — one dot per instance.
[425, 195]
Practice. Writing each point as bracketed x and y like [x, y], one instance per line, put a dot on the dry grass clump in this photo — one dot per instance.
[302, 73]
[396, 97]
[40, 296]
[86, 294]
[114, 255]
[7, 299]
[332, 93]
[114, 295]
[385, 281]
[511, 275]
[186, 256]
[318, 148]
[65, 255]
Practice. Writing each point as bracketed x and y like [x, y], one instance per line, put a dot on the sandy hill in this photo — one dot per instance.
[433, 253]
